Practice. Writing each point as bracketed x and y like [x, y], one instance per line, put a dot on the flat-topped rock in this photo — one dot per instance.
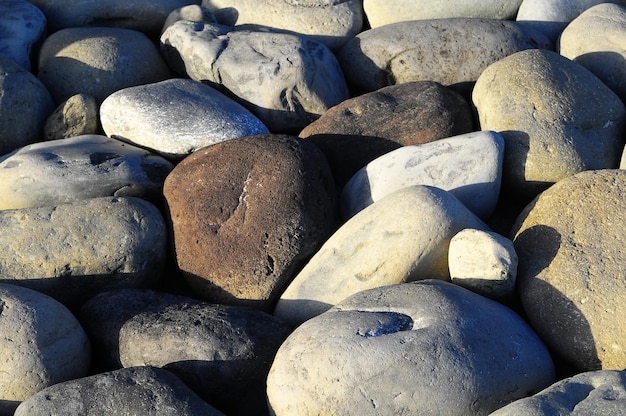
[22, 25]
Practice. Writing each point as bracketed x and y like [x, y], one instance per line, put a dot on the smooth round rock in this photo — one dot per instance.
[570, 276]
[176, 117]
[82, 167]
[243, 228]
[75, 116]
[286, 80]
[74, 251]
[449, 51]
[191, 13]
[423, 348]
[98, 61]
[42, 344]
[556, 117]
[403, 237]
[22, 26]
[145, 391]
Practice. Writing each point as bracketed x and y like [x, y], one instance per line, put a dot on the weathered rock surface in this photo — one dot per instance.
[73, 251]
[449, 51]
[360, 129]
[176, 117]
[75, 116]
[191, 13]
[130, 391]
[98, 61]
[570, 274]
[556, 117]
[427, 347]
[22, 25]
[42, 344]
[222, 352]
[82, 167]
[468, 166]
[247, 213]
[403, 237]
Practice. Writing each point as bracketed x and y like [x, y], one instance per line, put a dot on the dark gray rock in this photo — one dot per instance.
[22, 26]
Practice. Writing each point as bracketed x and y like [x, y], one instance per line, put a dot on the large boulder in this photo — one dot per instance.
[22, 26]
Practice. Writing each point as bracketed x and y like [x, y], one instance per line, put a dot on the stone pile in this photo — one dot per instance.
[233, 207]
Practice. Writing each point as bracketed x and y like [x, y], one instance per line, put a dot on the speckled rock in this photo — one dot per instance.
[75, 116]
[22, 26]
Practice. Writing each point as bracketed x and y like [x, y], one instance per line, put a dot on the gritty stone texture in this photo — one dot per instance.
[191, 13]
[469, 166]
[449, 51]
[422, 348]
[284, 79]
[42, 344]
[362, 128]
[98, 61]
[73, 251]
[557, 119]
[75, 116]
[414, 223]
[144, 391]
[243, 228]
[176, 117]
[83, 167]
[22, 26]
[570, 274]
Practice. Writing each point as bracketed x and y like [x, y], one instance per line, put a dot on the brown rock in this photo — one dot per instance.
[246, 214]
[76, 116]
[360, 129]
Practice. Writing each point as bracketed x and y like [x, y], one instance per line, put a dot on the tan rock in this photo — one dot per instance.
[76, 116]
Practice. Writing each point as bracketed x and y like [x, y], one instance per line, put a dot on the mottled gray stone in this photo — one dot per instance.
[75, 116]
[176, 117]
[82, 167]
[191, 13]
[22, 25]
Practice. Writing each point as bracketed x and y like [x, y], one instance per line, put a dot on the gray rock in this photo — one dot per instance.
[22, 25]
[556, 117]
[332, 22]
[449, 51]
[591, 393]
[98, 61]
[74, 251]
[191, 13]
[42, 344]
[286, 80]
[82, 167]
[176, 117]
[75, 116]
[468, 166]
[403, 237]
[145, 391]
[423, 348]
[24, 108]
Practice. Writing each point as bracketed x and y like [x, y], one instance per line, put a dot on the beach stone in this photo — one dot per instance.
[242, 229]
[415, 224]
[595, 40]
[222, 352]
[360, 129]
[286, 80]
[556, 117]
[590, 393]
[449, 51]
[22, 27]
[129, 391]
[74, 251]
[82, 167]
[331, 22]
[469, 166]
[176, 117]
[483, 262]
[570, 272]
[98, 61]
[75, 116]
[191, 13]
[25, 105]
[42, 344]
[421, 348]
[146, 16]
[380, 13]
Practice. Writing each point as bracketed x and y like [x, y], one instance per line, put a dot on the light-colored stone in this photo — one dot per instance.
[191, 13]
[22, 25]
[449, 51]
[469, 166]
[596, 40]
[422, 348]
[402, 237]
[176, 117]
[483, 262]
[332, 22]
[556, 117]
[82, 167]
[42, 344]
[76, 116]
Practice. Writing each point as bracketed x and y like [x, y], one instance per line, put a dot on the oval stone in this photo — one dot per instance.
[22, 26]
[75, 116]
